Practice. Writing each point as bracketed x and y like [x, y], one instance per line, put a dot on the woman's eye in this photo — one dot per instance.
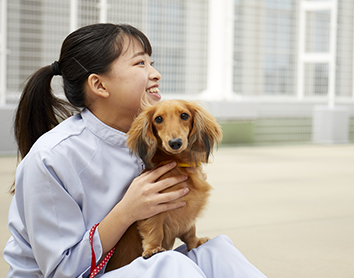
[158, 120]
[152, 64]
[184, 116]
[141, 63]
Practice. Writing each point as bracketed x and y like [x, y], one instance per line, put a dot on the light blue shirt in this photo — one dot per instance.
[70, 180]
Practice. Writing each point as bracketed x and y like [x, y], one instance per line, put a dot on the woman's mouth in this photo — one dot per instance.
[154, 91]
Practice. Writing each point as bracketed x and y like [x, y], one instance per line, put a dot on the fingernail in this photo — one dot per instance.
[186, 190]
[173, 164]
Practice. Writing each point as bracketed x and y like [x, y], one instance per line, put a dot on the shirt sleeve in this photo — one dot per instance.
[57, 230]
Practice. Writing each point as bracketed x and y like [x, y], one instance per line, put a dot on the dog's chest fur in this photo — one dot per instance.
[177, 222]
[199, 191]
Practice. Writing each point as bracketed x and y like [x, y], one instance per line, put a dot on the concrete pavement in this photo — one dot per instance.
[288, 209]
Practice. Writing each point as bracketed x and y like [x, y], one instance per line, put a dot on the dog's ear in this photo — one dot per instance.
[205, 133]
[141, 140]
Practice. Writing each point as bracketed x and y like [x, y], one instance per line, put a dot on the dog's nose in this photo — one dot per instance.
[175, 144]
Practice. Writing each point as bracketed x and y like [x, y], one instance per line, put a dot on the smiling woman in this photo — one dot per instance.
[79, 173]
[115, 105]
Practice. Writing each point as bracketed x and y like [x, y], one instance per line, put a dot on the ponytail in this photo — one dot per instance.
[38, 110]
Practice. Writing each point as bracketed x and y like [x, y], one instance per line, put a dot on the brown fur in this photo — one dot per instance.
[150, 140]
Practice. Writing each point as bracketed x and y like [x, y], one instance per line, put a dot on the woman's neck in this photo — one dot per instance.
[114, 120]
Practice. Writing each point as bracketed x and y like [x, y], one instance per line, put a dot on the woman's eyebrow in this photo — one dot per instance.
[138, 54]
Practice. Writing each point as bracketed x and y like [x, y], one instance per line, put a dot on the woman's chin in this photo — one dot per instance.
[150, 99]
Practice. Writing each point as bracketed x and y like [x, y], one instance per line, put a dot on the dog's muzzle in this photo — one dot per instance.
[175, 144]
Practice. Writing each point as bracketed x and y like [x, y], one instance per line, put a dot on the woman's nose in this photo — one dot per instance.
[154, 74]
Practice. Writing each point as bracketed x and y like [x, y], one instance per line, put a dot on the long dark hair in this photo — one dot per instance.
[90, 49]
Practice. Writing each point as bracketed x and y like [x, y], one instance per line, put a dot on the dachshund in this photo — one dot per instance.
[171, 130]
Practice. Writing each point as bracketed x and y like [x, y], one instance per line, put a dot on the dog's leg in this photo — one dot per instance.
[191, 239]
[152, 233]
[168, 242]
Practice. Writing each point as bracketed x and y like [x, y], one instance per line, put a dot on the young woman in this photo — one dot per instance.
[79, 172]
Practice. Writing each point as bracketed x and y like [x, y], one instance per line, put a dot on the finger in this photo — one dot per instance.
[144, 174]
[155, 174]
[169, 200]
[166, 183]
[167, 197]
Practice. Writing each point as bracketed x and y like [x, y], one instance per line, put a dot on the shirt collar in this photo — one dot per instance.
[103, 131]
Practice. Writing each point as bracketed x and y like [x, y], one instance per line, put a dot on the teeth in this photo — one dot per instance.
[153, 90]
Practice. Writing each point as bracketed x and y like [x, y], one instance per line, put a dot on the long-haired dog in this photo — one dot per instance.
[172, 130]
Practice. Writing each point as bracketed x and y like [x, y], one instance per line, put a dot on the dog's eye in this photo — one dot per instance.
[158, 120]
[184, 116]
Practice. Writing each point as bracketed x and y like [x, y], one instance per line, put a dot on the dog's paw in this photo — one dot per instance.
[202, 240]
[148, 253]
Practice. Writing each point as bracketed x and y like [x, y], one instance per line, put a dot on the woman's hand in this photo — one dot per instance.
[142, 200]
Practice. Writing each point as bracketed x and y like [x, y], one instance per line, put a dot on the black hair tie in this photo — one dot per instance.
[55, 68]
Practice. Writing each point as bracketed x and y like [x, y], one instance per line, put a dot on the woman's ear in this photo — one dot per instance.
[96, 85]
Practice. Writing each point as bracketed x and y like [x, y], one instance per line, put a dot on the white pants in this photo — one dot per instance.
[217, 258]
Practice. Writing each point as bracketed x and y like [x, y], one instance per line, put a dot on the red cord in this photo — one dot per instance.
[95, 269]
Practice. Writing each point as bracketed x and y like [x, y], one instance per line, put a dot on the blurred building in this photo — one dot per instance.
[261, 66]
